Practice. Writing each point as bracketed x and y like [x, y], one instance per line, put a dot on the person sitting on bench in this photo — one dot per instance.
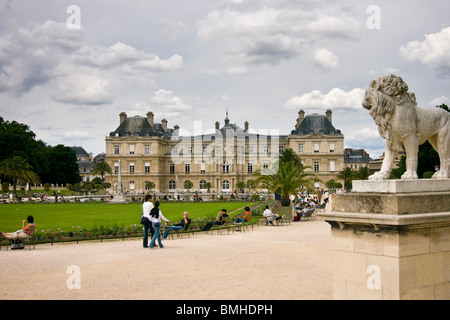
[182, 225]
[218, 222]
[270, 216]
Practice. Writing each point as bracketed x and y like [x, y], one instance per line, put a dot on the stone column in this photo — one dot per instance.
[391, 240]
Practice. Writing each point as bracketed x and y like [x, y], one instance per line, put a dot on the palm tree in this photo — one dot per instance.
[18, 168]
[363, 173]
[102, 168]
[348, 175]
[287, 180]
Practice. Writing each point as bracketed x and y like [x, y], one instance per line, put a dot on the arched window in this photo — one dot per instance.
[203, 184]
[172, 185]
[225, 185]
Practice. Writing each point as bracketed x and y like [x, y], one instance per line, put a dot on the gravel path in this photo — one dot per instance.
[290, 262]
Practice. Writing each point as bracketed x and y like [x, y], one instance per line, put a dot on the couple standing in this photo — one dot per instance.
[154, 216]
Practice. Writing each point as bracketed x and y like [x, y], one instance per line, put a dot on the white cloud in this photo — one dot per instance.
[335, 99]
[166, 99]
[363, 135]
[439, 101]
[434, 51]
[325, 59]
[271, 32]
[83, 73]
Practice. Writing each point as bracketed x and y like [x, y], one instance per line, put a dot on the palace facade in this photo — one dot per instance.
[152, 155]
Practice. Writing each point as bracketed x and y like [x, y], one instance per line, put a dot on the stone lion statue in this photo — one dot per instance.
[405, 126]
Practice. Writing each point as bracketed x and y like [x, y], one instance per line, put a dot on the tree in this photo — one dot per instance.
[18, 168]
[63, 161]
[188, 184]
[363, 173]
[208, 186]
[287, 180]
[149, 185]
[348, 175]
[102, 168]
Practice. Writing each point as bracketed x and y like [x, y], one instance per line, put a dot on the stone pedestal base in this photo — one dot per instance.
[383, 250]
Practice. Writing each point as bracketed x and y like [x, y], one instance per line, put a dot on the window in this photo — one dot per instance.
[147, 149]
[131, 167]
[265, 165]
[131, 149]
[175, 150]
[250, 149]
[116, 167]
[316, 166]
[316, 148]
[189, 150]
[250, 167]
[172, 168]
[225, 185]
[205, 150]
[116, 149]
[280, 149]
[226, 167]
[131, 185]
[147, 167]
[332, 166]
[172, 185]
[187, 167]
[317, 185]
[332, 147]
[203, 184]
[300, 148]
[202, 167]
[266, 149]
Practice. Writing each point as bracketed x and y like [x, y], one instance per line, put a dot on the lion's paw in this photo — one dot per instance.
[410, 175]
[440, 175]
[379, 176]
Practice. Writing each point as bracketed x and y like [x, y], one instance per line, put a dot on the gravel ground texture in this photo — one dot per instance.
[287, 262]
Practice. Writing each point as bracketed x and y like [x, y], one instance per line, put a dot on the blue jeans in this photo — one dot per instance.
[147, 227]
[166, 232]
[156, 235]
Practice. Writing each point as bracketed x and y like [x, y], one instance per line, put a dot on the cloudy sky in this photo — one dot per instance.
[69, 68]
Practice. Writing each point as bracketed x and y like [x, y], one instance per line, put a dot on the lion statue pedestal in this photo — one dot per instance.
[405, 126]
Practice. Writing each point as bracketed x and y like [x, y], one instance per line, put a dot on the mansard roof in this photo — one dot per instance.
[139, 126]
[315, 124]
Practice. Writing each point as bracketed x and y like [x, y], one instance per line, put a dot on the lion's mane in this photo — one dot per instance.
[389, 93]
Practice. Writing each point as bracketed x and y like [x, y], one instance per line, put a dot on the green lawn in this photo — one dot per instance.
[87, 215]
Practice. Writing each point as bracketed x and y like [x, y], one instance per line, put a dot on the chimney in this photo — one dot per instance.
[150, 116]
[123, 117]
[246, 126]
[301, 117]
[329, 116]
[164, 124]
[217, 125]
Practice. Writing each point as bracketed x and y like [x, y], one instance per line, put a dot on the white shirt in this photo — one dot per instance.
[146, 208]
[154, 220]
[268, 214]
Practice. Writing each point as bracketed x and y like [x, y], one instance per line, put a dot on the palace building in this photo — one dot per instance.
[154, 156]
